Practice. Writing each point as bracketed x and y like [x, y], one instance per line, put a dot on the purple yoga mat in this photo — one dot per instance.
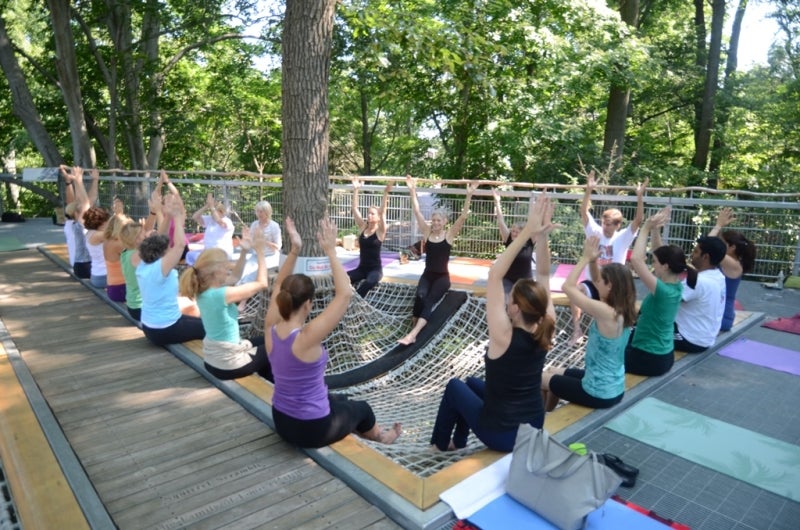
[385, 260]
[761, 354]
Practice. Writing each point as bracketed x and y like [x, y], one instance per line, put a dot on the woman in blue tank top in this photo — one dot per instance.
[372, 233]
[520, 334]
[303, 411]
[601, 384]
[437, 243]
[740, 259]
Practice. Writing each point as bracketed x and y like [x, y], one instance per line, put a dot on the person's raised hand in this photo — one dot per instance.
[591, 248]
[641, 187]
[661, 217]
[294, 235]
[65, 173]
[591, 183]
[411, 182]
[95, 173]
[356, 183]
[173, 206]
[725, 217]
[326, 236]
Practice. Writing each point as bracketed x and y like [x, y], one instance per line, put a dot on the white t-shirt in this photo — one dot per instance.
[272, 233]
[613, 249]
[69, 235]
[700, 314]
[217, 236]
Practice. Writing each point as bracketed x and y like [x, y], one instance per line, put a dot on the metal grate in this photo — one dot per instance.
[8, 514]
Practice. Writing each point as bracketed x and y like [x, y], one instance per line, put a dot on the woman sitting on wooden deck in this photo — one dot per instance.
[162, 320]
[303, 411]
[212, 283]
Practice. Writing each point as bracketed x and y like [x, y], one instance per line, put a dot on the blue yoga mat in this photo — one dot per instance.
[754, 352]
[745, 455]
[504, 513]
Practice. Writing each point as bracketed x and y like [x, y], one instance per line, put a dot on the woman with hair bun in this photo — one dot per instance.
[520, 335]
[303, 411]
[740, 259]
[652, 348]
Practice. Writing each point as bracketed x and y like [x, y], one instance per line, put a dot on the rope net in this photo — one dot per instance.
[410, 393]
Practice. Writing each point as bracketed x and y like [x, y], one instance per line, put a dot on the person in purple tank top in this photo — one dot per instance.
[305, 414]
[370, 241]
[437, 243]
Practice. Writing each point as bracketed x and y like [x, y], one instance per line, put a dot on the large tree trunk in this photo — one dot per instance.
[619, 99]
[121, 32]
[724, 103]
[67, 68]
[23, 105]
[307, 34]
[706, 124]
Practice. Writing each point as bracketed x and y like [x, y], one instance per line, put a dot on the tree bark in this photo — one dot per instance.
[23, 105]
[67, 68]
[706, 124]
[619, 99]
[307, 34]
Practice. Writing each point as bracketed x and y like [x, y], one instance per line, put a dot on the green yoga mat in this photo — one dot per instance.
[10, 243]
[742, 454]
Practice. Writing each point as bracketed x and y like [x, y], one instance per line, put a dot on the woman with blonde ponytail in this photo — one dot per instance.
[211, 282]
[520, 334]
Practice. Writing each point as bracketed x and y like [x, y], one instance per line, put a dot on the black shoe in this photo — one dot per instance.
[627, 472]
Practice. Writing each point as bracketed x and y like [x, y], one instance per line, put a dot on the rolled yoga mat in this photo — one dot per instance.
[745, 455]
[754, 352]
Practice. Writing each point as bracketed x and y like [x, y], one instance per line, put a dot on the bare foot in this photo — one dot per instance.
[408, 339]
[390, 435]
[576, 338]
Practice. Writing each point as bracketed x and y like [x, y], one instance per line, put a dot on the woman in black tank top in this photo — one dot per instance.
[520, 334]
[437, 243]
[522, 266]
[372, 233]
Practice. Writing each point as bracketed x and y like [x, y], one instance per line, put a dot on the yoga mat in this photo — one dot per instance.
[789, 325]
[745, 455]
[10, 243]
[562, 271]
[386, 259]
[754, 352]
[504, 512]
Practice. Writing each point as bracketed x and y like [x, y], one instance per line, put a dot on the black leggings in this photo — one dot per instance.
[681, 344]
[568, 386]
[184, 329]
[430, 289]
[258, 365]
[371, 278]
[345, 417]
[641, 362]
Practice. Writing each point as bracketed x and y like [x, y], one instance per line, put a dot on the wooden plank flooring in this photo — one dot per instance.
[162, 447]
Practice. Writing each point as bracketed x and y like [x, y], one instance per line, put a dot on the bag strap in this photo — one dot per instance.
[540, 460]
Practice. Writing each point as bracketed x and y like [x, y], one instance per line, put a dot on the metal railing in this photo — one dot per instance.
[771, 221]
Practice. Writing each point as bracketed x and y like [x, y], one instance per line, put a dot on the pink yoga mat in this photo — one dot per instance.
[790, 325]
[558, 277]
[758, 353]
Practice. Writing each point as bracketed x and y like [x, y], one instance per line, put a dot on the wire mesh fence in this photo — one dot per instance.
[771, 221]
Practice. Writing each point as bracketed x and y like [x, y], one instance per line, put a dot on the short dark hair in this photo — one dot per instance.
[153, 247]
[714, 247]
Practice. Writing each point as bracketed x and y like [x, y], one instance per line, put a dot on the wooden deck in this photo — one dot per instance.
[160, 446]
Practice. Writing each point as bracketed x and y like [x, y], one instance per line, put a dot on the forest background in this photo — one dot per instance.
[503, 90]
